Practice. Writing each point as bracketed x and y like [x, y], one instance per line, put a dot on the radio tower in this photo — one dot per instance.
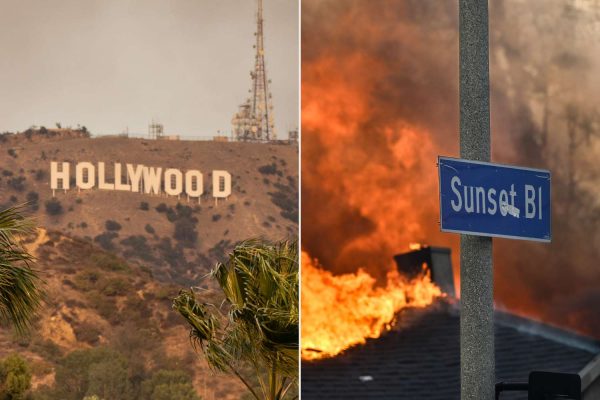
[254, 121]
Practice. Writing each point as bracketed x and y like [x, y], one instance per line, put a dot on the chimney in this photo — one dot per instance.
[438, 261]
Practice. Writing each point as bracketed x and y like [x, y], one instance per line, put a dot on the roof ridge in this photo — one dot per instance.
[542, 329]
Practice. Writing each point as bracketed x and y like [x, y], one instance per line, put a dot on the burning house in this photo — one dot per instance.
[379, 104]
[414, 352]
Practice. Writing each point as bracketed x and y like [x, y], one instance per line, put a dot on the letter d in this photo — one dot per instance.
[221, 184]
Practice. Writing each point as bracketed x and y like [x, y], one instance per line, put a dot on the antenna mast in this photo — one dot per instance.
[254, 121]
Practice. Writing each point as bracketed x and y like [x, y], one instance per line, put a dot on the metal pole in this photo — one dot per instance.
[476, 270]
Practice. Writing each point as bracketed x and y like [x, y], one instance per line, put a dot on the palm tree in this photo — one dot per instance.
[260, 284]
[20, 285]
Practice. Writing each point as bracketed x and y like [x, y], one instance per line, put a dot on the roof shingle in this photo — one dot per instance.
[420, 358]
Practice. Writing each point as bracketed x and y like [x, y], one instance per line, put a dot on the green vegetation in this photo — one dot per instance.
[108, 262]
[169, 385]
[53, 207]
[40, 175]
[86, 332]
[132, 362]
[219, 250]
[17, 183]
[137, 247]
[15, 378]
[99, 371]
[107, 373]
[185, 232]
[185, 223]
[269, 169]
[112, 225]
[173, 255]
[286, 198]
[105, 240]
[47, 349]
[32, 200]
[260, 284]
[20, 284]
[115, 287]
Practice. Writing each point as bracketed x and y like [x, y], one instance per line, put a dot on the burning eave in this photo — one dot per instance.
[420, 358]
[342, 311]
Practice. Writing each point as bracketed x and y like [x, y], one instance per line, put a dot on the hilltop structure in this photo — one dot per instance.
[254, 120]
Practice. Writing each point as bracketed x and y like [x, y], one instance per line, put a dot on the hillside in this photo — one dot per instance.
[100, 301]
[263, 200]
[114, 260]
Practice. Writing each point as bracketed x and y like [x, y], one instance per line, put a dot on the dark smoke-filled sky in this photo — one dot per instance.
[113, 64]
[380, 102]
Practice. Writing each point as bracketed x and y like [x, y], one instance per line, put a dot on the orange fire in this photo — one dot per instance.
[341, 311]
[369, 182]
[369, 177]
[415, 246]
[379, 104]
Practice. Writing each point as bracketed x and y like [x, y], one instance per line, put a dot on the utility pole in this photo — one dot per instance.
[476, 270]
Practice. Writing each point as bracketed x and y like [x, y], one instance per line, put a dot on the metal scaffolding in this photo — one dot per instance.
[254, 120]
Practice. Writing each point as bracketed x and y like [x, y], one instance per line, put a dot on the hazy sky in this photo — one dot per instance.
[112, 64]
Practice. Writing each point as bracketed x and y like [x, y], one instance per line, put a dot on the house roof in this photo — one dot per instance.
[420, 358]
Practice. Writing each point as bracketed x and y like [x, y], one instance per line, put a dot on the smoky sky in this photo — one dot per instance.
[380, 102]
[117, 64]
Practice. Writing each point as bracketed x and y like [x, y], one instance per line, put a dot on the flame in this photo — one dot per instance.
[369, 179]
[415, 246]
[380, 103]
[344, 310]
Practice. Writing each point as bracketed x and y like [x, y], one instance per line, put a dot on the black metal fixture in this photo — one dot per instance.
[545, 386]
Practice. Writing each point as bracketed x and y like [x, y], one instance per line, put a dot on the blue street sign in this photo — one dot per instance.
[486, 199]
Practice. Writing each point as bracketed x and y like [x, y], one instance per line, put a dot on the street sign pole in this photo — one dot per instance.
[476, 271]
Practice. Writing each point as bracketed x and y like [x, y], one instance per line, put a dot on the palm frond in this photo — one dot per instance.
[260, 284]
[20, 285]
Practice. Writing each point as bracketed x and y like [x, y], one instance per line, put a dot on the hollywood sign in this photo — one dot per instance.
[138, 178]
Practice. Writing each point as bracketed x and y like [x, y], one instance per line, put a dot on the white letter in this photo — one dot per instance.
[152, 180]
[169, 188]
[503, 203]
[512, 196]
[491, 193]
[82, 183]
[191, 177]
[471, 208]
[221, 184]
[102, 179]
[135, 176]
[529, 201]
[540, 202]
[480, 191]
[456, 180]
[63, 175]
[119, 185]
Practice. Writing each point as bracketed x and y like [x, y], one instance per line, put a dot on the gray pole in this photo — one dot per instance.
[477, 376]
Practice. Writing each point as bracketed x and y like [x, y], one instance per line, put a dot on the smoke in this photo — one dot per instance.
[545, 55]
[375, 115]
[380, 102]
